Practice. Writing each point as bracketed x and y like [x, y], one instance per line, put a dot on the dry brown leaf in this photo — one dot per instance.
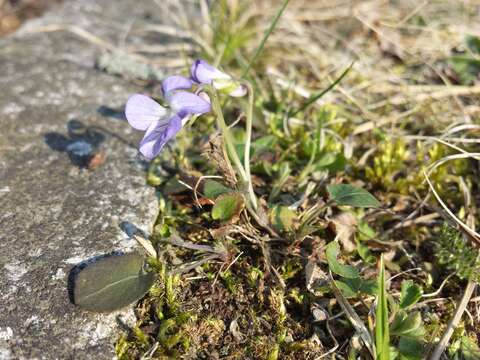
[315, 277]
[345, 226]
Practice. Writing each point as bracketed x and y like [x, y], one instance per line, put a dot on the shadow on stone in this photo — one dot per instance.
[115, 114]
[131, 229]
[72, 276]
[109, 112]
[81, 142]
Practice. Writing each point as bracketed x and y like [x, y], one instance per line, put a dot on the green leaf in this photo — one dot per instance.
[410, 349]
[365, 232]
[407, 324]
[282, 218]
[369, 287]
[473, 43]
[382, 332]
[325, 160]
[394, 354]
[112, 282]
[239, 149]
[353, 287]
[344, 194]
[410, 294]
[365, 253]
[349, 287]
[470, 349]
[339, 164]
[262, 167]
[283, 172]
[331, 161]
[467, 67]
[228, 206]
[346, 271]
[212, 189]
[263, 144]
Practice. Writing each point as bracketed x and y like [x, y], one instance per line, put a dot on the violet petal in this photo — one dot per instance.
[175, 82]
[184, 103]
[204, 73]
[158, 134]
[141, 111]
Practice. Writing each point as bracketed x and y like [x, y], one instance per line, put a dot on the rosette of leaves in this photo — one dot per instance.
[398, 339]
[402, 337]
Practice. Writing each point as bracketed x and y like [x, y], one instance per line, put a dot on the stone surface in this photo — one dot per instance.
[55, 109]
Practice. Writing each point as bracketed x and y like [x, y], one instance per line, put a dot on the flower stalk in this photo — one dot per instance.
[248, 142]
[242, 169]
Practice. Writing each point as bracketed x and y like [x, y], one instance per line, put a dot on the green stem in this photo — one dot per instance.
[248, 142]
[228, 141]
[227, 137]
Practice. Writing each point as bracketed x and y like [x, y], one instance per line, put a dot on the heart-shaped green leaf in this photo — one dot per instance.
[346, 271]
[407, 324]
[349, 287]
[344, 194]
[228, 206]
[112, 282]
[410, 294]
[353, 287]
[212, 189]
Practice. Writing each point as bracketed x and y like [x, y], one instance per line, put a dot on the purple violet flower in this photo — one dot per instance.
[175, 82]
[204, 73]
[159, 123]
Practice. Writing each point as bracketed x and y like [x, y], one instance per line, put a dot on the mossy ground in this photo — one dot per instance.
[400, 109]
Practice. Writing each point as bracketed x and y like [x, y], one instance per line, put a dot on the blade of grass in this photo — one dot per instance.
[317, 96]
[265, 37]
[353, 317]
[382, 336]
